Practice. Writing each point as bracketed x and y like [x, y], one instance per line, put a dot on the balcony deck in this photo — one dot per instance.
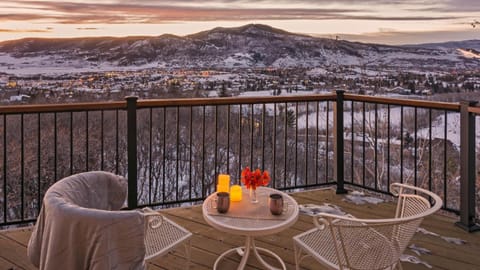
[208, 244]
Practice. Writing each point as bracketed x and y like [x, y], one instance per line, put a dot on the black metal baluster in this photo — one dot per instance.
[401, 144]
[430, 179]
[39, 193]
[117, 144]
[306, 146]
[252, 121]
[338, 142]
[363, 145]
[164, 155]
[190, 168]
[71, 143]
[240, 118]
[203, 153]
[150, 159]
[445, 136]
[102, 146]
[55, 142]
[316, 142]
[22, 165]
[388, 148]
[376, 146]
[274, 146]
[86, 140]
[285, 147]
[132, 158]
[415, 148]
[296, 144]
[215, 145]
[327, 130]
[5, 191]
[263, 136]
[177, 165]
[352, 125]
[228, 138]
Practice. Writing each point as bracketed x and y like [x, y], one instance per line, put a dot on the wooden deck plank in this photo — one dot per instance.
[15, 253]
[208, 243]
[6, 264]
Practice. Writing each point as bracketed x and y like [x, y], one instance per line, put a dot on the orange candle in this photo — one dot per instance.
[223, 188]
[223, 184]
[236, 193]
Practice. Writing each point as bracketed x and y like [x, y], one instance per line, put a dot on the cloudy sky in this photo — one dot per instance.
[382, 21]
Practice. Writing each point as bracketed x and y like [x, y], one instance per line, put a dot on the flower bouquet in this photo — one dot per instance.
[253, 179]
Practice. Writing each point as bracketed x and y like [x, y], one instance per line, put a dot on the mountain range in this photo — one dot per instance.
[252, 45]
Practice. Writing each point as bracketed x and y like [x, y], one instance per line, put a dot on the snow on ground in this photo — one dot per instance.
[268, 93]
[438, 124]
[314, 209]
[285, 62]
[50, 65]
[469, 54]
[453, 130]
[317, 71]
[238, 60]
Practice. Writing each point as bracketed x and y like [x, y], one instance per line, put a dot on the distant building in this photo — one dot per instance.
[12, 84]
[19, 98]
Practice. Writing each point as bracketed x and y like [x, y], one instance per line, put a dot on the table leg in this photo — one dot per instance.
[262, 261]
[244, 252]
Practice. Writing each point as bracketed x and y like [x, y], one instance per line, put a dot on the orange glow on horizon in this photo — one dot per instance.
[397, 22]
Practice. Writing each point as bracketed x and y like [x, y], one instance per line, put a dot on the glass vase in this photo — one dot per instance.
[253, 195]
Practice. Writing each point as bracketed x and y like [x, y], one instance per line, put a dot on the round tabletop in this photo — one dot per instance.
[251, 219]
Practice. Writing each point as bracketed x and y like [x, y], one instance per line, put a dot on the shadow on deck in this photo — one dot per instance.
[208, 243]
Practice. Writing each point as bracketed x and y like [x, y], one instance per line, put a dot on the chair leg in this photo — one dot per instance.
[188, 250]
[297, 253]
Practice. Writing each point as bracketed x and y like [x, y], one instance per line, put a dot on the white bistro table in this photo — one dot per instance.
[251, 220]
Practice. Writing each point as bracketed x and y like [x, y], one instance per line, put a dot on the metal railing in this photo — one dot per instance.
[172, 150]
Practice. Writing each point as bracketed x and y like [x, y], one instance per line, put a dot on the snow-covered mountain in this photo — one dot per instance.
[252, 45]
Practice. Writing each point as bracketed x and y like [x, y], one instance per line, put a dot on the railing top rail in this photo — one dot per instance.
[405, 102]
[475, 110]
[86, 106]
[231, 100]
[115, 105]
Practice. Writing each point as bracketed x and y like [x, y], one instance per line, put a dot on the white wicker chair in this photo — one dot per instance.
[346, 242]
[81, 226]
[162, 235]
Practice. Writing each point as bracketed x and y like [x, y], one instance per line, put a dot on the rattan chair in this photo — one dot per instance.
[346, 242]
[81, 226]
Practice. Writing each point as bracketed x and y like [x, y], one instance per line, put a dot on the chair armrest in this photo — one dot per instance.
[320, 223]
[154, 218]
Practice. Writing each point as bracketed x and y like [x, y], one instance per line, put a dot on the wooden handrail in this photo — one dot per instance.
[121, 105]
[475, 110]
[86, 106]
[405, 102]
[230, 100]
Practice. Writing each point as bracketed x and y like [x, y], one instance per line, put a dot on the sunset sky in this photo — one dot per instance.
[377, 21]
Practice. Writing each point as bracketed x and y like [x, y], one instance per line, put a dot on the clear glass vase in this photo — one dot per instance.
[253, 195]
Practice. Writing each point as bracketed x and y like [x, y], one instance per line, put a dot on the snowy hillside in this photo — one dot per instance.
[251, 45]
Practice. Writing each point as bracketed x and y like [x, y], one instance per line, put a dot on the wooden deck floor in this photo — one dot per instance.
[208, 243]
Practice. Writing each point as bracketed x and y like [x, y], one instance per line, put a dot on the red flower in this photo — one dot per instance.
[255, 178]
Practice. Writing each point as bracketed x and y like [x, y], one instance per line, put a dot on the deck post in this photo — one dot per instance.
[467, 168]
[132, 151]
[339, 142]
